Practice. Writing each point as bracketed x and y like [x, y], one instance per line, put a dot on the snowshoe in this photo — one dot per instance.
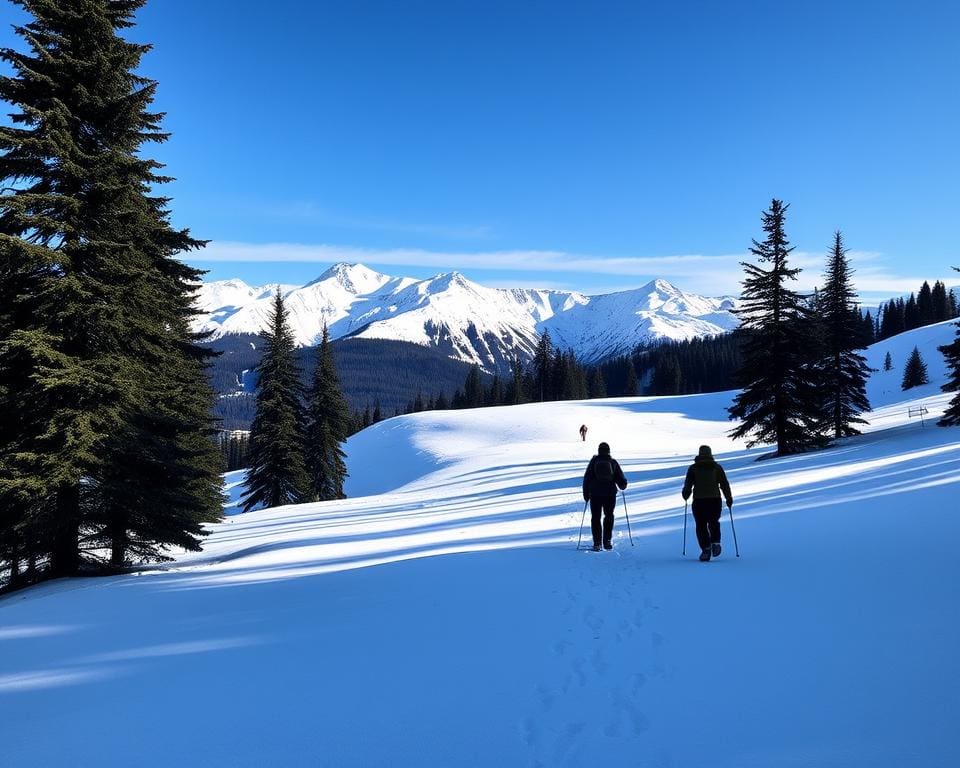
[595, 548]
[607, 545]
[715, 549]
[704, 555]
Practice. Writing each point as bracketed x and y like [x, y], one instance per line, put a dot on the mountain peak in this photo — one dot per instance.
[353, 278]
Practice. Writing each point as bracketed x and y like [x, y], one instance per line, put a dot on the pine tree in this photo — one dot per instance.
[911, 314]
[97, 361]
[844, 372]
[541, 367]
[327, 426]
[598, 386]
[914, 372]
[473, 388]
[925, 309]
[887, 362]
[632, 386]
[778, 403]
[941, 307]
[277, 474]
[951, 352]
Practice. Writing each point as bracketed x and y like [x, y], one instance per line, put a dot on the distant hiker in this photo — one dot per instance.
[600, 483]
[706, 479]
[583, 432]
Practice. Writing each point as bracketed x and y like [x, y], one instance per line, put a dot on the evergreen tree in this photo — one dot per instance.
[911, 314]
[941, 307]
[887, 362]
[951, 352]
[914, 372]
[277, 473]
[844, 371]
[378, 413]
[442, 403]
[327, 425]
[925, 309]
[541, 367]
[867, 335]
[111, 438]
[473, 388]
[598, 386]
[632, 386]
[778, 403]
[514, 394]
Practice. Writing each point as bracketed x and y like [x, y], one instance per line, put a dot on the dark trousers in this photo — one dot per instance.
[603, 504]
[706, 512]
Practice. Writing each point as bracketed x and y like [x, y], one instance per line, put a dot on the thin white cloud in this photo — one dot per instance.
[709, 275]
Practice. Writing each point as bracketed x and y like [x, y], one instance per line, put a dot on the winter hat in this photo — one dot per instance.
[705, 452]
[603, 449]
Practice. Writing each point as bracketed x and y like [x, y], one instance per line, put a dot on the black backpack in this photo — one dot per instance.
[603, 469]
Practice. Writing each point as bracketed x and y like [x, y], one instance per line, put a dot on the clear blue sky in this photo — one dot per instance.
[583, 145]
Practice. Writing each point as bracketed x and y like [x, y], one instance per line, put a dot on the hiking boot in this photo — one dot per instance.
[715, 549]
[595, 548]
[704, 555]
[607, 545]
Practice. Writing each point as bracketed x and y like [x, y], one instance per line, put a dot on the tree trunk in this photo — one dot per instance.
[118, 538]
[65, 555]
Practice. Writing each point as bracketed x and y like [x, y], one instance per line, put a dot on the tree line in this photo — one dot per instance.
[107, 454]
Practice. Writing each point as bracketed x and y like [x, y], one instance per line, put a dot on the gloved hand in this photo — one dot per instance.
[730, 505]
[586, 497]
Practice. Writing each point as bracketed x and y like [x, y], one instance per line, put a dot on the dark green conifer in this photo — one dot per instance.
[328, 417]
[843, 370]
[914, 372]
[97, 350]
[779, 403]
[277, 474]
[951, 351]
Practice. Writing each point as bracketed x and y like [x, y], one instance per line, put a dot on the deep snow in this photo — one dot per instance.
[441, 616]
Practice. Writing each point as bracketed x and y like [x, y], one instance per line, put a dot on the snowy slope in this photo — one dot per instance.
[442, 617]
[464, 319]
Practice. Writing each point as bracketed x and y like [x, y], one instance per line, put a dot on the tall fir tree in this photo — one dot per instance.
[951, 352]
[328, 423]
[914, 372]
[96, 349]
[277, 473]
[779, 403]
[541, 367]
[844, 371]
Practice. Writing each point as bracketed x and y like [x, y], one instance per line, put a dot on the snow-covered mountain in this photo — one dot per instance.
[468, 321]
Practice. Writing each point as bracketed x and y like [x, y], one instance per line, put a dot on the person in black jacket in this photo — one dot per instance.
[706, 480]
[600, 483]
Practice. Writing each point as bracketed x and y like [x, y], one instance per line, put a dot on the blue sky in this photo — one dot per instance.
[578, 145]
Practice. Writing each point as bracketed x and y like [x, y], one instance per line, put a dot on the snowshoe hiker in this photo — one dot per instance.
[583, 433]
[706, 480]
[600, 482]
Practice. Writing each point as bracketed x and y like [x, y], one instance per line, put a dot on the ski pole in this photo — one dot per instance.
[733, 528]
[629, 532]
[582, 518]
[684, 528]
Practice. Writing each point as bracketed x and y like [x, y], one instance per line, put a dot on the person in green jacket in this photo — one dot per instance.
[706, 480]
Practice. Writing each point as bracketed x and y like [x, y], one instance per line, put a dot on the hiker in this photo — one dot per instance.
[600, 483]
[706, 479]
[583, 432]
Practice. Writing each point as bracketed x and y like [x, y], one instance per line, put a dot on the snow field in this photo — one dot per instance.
[441, 616]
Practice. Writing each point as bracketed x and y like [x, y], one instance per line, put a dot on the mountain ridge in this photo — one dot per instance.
[464, 319]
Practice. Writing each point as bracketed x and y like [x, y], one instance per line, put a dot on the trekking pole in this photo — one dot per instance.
[582, 518]
[684, 528]
[732, 528]
[629, 532]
